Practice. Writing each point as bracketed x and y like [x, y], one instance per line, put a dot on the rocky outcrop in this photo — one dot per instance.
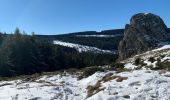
[143, 33]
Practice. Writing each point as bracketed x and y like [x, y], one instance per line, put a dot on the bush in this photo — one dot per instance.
[117, 66]
[152, 59]
[162, 65]
[158, 60]
[138, 61]
[162, 56]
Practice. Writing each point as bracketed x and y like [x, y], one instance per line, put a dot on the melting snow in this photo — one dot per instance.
[140, 85]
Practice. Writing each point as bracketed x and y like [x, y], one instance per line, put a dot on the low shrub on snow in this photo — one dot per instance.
[152, 59]
[137, 61]
[117, 66]
[162, 56]
[162, 65]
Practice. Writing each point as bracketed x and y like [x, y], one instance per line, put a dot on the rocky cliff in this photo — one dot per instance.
[143, 33]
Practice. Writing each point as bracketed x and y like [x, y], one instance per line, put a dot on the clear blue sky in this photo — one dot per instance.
[64, 16]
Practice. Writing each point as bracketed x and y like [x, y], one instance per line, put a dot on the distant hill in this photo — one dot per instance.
[107, 39]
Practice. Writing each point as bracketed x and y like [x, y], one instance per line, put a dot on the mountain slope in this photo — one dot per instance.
[134, 83]
[107, 40]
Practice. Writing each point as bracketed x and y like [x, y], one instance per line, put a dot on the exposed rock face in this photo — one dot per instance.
[143, 33]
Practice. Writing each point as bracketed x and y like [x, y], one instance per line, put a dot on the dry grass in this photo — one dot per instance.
[91, 90]
[108, 77]
[120, 79]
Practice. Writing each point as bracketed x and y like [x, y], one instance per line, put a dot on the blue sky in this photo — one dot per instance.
[64, 16]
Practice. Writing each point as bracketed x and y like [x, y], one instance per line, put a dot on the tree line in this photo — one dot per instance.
[22, 54]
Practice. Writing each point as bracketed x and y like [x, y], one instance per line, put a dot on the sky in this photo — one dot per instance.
[65, 16]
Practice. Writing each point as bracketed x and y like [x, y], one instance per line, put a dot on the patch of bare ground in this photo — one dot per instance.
[91, 90]
[120, 79]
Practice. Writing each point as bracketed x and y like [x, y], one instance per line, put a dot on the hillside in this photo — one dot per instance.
[136, 81]
[106, 40]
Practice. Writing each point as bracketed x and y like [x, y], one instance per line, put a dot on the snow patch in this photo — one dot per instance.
[102, 36]
[130, 66]
[82, 48]
[162, 48]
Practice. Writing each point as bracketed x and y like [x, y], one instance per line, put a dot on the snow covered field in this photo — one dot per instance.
[82, 48]
[137, 85]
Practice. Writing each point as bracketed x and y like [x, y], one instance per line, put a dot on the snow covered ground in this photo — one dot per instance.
[163, 50]
[137, 85]
[82, 48]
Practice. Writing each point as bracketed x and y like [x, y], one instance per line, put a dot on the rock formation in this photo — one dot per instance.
[143, 33]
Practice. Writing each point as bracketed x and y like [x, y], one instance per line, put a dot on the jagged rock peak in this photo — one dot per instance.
[151, 24]
[143, 33]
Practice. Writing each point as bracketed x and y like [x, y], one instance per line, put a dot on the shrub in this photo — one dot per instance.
[162, 65]
[137, 61]
[158, 60]
[117, 66]
[152, 59]
[162, 56]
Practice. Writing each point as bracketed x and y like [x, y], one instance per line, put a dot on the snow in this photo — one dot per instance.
[92, 79]
[140, 85]
[102, 36]
[130, 66]
[146, 13]
[81, 48]
[162, 48]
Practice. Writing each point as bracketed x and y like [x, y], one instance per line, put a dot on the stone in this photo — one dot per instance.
[144, 33]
